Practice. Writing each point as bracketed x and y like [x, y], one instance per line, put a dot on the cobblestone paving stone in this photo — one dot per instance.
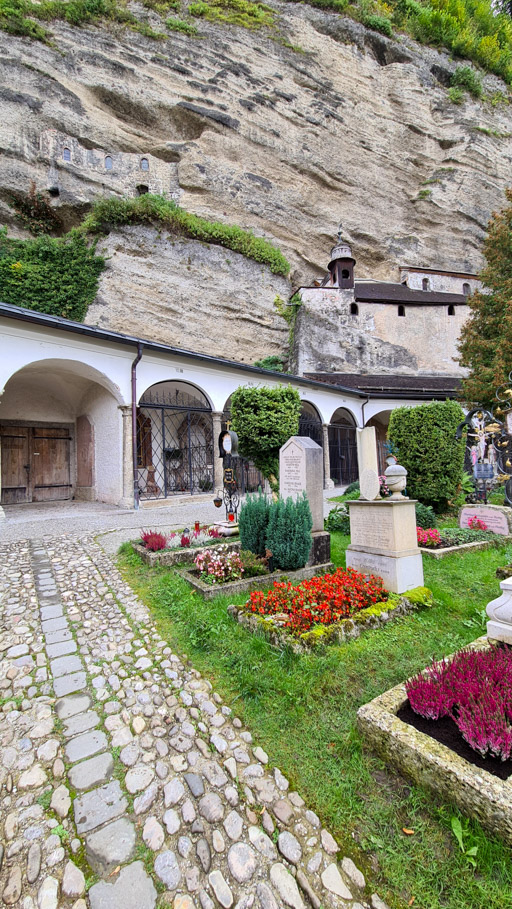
[125, 782]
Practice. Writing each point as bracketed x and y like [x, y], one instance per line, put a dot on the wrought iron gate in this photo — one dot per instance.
[174, 442]
[311, 428]
[343, 454]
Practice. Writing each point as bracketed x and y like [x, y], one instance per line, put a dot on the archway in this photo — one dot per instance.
[175, 445]
[310, 423]
[381, 422]
[342, 448]
[61, 434]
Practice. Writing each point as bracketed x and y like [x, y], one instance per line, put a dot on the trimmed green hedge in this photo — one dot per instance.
[425, 441]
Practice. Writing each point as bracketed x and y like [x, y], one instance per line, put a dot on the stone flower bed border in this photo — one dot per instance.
[178, 556]
[262, 582]
[462, 547]
[338, 632]
[430, 764]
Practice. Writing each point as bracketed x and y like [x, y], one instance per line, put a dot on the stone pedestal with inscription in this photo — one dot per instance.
[384, 542]
[301, 466]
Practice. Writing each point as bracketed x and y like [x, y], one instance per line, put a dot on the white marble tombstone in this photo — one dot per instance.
[301, 469]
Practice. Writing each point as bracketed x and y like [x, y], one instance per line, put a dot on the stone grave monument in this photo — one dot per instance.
[383, 539]
[499, 628]
[497, 517]
[301, 469]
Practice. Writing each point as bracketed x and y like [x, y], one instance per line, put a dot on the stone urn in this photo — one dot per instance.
[396, 479]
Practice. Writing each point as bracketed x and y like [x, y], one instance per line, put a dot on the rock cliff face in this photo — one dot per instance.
[242, 129]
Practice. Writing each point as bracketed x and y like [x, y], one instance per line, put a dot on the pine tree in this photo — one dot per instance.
[252, 523]
[486, 338]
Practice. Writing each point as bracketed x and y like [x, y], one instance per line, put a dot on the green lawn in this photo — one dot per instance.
[301, 709]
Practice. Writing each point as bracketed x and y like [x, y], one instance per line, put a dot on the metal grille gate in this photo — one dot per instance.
[343, 454]
[174, 442]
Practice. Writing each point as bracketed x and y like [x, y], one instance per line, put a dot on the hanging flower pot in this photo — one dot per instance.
[217, 501]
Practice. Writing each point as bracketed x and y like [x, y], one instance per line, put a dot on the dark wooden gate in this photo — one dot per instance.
[35, 464]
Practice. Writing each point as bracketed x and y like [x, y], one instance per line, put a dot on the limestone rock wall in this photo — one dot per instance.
[188, 294]
[242, 129]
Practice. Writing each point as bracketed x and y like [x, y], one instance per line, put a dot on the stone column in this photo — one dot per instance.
[218, 470]
[328, 483]
[127, 499]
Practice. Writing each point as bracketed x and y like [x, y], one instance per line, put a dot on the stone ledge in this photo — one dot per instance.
[462, 547]
[432, 765]
[263, 582]
[169, 557]
[345, 630]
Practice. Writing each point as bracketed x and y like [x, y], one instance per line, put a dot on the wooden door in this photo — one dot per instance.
[50, 461]
[15, 441]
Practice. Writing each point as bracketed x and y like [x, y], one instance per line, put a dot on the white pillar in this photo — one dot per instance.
[127, 499]
[328, 483]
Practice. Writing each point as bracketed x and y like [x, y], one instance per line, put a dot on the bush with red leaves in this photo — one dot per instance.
[153, 540]
[474, 688]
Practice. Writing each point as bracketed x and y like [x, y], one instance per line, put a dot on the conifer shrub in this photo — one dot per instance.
[252, 523]
[425, 516]
[289, 533]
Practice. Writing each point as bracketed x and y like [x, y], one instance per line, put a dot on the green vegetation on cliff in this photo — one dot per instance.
[111, 213]
[471, 29]
[60, 276]
[57, 276]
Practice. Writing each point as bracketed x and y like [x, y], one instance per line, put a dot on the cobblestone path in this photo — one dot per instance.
[125, 783]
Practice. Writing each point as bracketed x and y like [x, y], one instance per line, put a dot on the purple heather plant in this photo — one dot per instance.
[474, 688]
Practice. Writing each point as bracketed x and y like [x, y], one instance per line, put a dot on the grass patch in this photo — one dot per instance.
[301, 709]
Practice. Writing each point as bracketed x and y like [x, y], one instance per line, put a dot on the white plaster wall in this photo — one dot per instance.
[29, 402]
[448, 284]
[104, 414]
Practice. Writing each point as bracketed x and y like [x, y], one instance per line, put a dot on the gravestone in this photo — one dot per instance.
[301, 469]
[383, 541]
[498, 518]
[499, 628]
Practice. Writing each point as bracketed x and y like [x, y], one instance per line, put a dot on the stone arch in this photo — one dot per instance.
[61, 432]
[175, 440]
[310, 423]
[342, 447]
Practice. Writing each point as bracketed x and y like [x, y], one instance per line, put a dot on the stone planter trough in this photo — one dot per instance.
[463, 547]
[432, 765]
[263, 582]
[338, 632]
[170, 557]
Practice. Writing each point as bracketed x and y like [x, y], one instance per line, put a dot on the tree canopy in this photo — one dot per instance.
[486, 339]
[264, 419]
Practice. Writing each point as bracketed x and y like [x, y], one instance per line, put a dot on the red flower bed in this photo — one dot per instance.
[319, 601]
[475, 690]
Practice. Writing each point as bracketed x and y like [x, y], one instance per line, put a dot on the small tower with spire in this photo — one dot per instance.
[341, 266]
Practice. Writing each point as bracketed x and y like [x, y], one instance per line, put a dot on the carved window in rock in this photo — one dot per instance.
[66, 154]
[401, 310]
[109, 162]
[425, 284]
[144, 164]
[354, 309]
[466, 290]
[451, 310]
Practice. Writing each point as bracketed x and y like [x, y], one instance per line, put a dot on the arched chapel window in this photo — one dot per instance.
[354, 309]
[425, 284]
[144, 164]
[66, 154]
[401, 310]
[109, 163]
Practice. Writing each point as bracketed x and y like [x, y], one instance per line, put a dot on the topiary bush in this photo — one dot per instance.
[424, 437]
[264, 419]
[289, 533]
[252, 523]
